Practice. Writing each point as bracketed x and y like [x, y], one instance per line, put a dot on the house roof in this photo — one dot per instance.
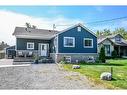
[112, 36]
[102, 38]
[79, 24]
[99, 41]
[23, 32]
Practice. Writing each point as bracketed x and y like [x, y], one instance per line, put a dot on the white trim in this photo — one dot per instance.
[76, 26]
[84, 43]
[110, 49]
[30, 43]
[57, 44]
[16, 45]
[46, 37]
[69, 58]
[73, 38]
[47, 46]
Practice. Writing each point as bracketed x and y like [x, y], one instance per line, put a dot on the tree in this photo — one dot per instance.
[105, 32]
[98, 33]
[34, 27]
[121, 31]
[102, 55]
[28, 25]
[114, 54]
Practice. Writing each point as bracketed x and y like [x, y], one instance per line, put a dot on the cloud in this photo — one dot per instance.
[9, 20]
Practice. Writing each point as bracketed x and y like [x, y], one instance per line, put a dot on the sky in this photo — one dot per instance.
[45, 16]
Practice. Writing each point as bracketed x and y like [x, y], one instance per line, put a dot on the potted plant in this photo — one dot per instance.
[36, 58]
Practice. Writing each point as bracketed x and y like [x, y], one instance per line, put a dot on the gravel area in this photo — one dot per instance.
[42, 76]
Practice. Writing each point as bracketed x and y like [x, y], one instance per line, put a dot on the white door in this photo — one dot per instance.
[43, 49]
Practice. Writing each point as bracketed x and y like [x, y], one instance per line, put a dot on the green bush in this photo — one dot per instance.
[102, 55]
[114, 54]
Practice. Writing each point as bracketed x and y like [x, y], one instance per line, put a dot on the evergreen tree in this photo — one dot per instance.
[102, 55]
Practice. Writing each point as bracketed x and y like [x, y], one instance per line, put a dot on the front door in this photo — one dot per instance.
[44, 48]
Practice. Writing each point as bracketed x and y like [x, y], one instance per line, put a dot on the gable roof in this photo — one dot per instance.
[103, 38]
[34, 33]
[76, 26]
[112, 36]
[99, 41]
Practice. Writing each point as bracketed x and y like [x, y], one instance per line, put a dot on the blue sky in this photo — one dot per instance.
[85, 13]
[46, 16]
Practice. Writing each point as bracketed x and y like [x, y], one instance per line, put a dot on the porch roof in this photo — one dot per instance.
[121, 43]
[22, 32]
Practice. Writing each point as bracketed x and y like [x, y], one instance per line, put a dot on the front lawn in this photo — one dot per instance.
[93, 71]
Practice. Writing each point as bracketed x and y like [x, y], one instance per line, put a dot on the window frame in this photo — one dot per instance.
[118, 39]
[69, 38]
[107, 53]
[84, 43]
[30, 43]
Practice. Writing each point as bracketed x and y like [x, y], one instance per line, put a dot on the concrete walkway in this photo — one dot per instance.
[9, 63]
[42, 76]
[6, 61]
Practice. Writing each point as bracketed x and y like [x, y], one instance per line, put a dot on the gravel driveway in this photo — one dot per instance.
[42, 76]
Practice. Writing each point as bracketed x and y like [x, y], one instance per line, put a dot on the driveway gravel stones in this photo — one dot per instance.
[42, 76]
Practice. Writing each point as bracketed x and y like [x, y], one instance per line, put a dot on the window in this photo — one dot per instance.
[69, 42]
[88, 43]
[67, 59]
[78, 29]
[30, 45]
[118, 39]
[107, 49]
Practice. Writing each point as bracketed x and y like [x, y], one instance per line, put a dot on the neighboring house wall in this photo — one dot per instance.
[106, 42]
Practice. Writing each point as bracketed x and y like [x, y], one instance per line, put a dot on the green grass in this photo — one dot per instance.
[93, 71]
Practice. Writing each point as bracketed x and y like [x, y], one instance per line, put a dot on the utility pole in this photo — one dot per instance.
[54, 26]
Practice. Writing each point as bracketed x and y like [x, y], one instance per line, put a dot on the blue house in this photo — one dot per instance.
[73, 44]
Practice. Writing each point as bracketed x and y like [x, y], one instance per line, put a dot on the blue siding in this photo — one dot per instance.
[22, 43]
[79, 36]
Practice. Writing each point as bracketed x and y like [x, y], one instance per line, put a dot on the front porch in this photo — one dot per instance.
[121, 50]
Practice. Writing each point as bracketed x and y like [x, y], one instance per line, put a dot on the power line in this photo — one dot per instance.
[108, 20]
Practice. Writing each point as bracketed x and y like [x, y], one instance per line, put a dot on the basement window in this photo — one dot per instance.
[67, 59]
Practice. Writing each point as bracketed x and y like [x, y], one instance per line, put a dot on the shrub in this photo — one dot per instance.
[114, 54]
[102, 55]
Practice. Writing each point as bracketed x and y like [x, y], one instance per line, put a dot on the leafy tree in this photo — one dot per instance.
[121, 31]
[102, 55]
[105, 32]
[28, 25]
[114, 54]
[34, 27]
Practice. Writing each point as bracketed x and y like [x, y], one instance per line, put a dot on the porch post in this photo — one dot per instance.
[119, 50]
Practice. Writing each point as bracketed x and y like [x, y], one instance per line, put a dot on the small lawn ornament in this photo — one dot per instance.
[76, 67]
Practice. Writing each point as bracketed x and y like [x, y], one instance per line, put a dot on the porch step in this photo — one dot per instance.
[23, 59]
[46, 60]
